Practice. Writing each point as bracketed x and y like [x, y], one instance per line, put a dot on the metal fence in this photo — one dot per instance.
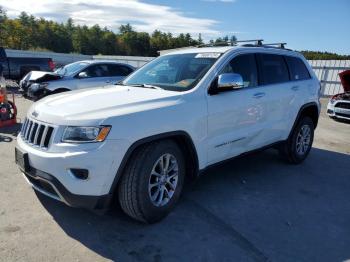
[59, 58]
[326, 70]
[136, 61]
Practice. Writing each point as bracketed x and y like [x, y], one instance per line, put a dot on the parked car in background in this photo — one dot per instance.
[17, 67]
[78, 75]
[339, 105]
[173, 118]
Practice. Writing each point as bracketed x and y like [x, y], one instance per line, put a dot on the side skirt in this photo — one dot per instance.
[273, 145]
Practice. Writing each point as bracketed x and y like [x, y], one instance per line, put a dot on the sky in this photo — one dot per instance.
[321, 25]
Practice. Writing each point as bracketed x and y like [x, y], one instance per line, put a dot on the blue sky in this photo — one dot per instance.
[313, 25]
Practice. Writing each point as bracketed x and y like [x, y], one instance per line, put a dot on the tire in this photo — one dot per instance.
[292, 150]
[137, 185]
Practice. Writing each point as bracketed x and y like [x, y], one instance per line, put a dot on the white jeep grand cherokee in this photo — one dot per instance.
[174, 117]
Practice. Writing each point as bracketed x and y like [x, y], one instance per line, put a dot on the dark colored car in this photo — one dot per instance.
[17, 67]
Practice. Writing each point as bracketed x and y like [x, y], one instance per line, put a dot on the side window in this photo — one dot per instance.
[118, 70]
[297, 69]
[245, 65]
[273, 69]
[99, 70]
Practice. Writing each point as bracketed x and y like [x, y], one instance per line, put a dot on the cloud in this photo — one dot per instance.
[112, 13]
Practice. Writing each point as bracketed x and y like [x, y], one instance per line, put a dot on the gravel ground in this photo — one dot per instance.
[256, 208]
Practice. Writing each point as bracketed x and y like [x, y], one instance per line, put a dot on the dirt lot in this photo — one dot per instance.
[256, 208]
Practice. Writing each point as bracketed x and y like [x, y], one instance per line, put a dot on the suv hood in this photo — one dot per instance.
[41, 76]
[92, 106]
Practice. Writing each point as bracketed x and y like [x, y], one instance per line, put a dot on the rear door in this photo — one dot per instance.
[278, 97]
[301, 84]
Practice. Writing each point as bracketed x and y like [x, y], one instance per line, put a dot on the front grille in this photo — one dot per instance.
[343, 105]
[37, 134]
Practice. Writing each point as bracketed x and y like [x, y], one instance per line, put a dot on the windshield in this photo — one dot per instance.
[71, 68]
[174, 72]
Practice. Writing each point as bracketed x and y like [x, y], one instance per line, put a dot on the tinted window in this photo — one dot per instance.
[100, 70]
[273, 69]
[245, 65]
[297, 68]
[118, 70]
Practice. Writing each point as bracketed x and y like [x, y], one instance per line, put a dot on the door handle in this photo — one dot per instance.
[295, 88]
[259, 95]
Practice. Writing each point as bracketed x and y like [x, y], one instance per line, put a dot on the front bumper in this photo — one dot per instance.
[335, 111]
[50, 172]
[53, 188]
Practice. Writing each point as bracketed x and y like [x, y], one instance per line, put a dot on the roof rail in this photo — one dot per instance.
[257, 43]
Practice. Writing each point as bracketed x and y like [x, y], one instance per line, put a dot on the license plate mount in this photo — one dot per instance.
[22, 160]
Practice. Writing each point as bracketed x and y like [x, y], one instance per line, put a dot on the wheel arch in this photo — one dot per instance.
[309, 109]
[182, 139]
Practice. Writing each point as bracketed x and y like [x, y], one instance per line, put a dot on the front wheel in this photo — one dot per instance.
[152, 182]
[299, 143]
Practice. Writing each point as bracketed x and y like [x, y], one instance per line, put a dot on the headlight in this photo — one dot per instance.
[80, 134]
[37, 86]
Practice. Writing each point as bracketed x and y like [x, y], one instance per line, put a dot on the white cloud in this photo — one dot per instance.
[111, 13]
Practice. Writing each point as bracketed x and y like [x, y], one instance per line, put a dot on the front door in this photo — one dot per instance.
[236, 117]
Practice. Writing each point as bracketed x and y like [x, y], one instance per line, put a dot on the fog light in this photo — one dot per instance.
[80, 173]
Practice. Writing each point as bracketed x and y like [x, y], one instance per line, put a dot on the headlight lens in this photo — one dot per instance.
[80, 134]
[37, 86]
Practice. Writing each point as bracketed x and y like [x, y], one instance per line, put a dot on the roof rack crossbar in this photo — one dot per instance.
[280, 45]
[258, 42]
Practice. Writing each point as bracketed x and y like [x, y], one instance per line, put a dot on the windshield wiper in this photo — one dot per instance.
[147, 86]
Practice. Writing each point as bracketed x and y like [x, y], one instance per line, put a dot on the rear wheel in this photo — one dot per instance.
[152, 182]
[299, 143]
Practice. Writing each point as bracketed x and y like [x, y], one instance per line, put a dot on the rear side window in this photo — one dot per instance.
[273, 69]
[118, 70]
[245, 65]
[297, 68]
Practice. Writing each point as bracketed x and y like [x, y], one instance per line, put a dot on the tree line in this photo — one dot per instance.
[26, 32]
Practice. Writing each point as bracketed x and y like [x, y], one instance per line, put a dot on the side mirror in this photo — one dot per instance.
[229, 81]
[82, 75]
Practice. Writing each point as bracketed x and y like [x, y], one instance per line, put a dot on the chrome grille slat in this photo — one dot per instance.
[31, 132]
[36, 133]
[43, 136]
[24, 125]
[28, 130]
